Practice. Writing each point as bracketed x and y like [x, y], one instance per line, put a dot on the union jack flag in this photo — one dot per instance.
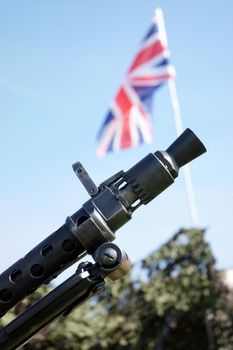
[128, 121]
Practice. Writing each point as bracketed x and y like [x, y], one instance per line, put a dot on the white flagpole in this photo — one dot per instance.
[178, 123]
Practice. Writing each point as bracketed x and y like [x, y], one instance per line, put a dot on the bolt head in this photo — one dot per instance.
[108, 256]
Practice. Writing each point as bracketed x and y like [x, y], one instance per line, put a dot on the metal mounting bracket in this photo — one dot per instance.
[85, 178]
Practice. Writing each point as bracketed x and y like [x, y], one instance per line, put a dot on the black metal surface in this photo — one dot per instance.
[148, 178]
[42, 263]
[71, 293]
[84, 177]
[186, 148]
[86, 282]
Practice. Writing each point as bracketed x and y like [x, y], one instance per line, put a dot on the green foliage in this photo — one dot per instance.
[180, 274]
[178, 302]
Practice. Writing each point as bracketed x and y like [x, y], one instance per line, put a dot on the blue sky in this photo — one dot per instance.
[61, 63]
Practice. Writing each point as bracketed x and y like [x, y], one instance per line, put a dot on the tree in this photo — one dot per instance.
[177, 302]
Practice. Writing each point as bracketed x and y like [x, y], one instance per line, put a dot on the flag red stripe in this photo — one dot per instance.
[125, 106]
[146, 54]
[152, 78]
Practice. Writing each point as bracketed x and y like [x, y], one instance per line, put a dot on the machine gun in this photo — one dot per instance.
[90, 230]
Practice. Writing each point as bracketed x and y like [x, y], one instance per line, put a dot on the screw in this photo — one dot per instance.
[108, 257]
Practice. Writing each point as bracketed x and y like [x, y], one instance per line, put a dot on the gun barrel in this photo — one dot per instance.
[110, 207]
